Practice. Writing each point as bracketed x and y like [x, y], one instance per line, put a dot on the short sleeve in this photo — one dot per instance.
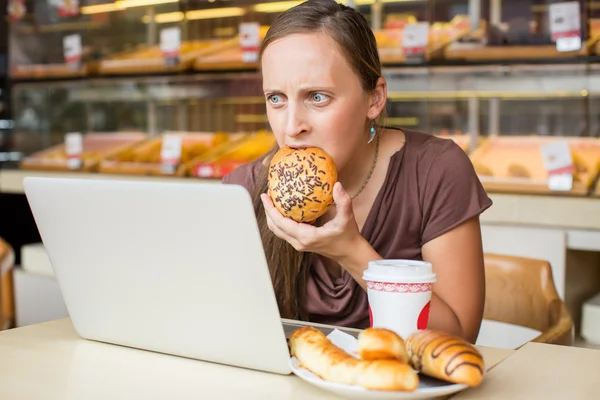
[453, 193]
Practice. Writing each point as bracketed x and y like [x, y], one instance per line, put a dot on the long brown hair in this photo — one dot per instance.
[351, 32]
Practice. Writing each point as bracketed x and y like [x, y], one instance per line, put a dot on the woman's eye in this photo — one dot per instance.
[274, 99]
[319, 97]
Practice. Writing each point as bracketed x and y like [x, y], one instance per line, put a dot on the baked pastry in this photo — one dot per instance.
[318, 354]
[482, 170]
[301, 182]
[518, 171]
[444, 356]
[381, 344]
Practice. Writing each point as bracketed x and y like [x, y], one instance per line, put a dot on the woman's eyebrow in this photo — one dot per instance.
[303, 89]
[316, 87]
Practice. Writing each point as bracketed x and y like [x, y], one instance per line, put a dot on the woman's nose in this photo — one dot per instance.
[296, 121]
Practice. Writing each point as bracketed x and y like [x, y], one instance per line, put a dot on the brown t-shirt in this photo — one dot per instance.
[430, 188]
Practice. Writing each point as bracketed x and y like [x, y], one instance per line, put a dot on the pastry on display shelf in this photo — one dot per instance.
[515, 163]
[147, 59]
[44, 71]
[478, 48]
[96, 146]
[146, 159]
[222, 160]
[390, 39]
[229, 58]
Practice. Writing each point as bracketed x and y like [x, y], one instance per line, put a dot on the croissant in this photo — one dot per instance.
[444, 356]
[318, 354]
[381, 344]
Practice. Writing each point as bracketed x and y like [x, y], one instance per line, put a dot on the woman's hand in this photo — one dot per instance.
[336, 239]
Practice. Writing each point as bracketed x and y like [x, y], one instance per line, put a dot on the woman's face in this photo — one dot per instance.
[313, 96]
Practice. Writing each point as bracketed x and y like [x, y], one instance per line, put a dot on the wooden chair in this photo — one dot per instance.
[521, 291]
[7, 311]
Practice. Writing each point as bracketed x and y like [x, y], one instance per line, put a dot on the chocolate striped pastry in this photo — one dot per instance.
[316, 353]
[444, 356]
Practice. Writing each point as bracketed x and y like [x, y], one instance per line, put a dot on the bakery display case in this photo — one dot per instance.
[167, 68]
[468, 104]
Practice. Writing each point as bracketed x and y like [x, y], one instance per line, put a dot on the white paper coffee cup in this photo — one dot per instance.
[399, 293]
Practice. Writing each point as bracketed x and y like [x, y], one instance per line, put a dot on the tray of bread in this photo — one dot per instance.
[381, 365]
[223, 160]
[227, 58]
[390, 39]
[515, 164]
[477, 50]
[148, 158]
[94, 148]
[58, 70]
[149, 59]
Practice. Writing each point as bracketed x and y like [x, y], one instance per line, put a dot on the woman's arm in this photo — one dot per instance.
[459, 293]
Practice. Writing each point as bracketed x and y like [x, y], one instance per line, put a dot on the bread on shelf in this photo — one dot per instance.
[227, 58]
[150, 59]
[224, 159]
[145, 159]
[53, 70]
[96, 147]
[516, 164]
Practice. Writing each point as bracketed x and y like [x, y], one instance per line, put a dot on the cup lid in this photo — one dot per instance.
[400, 271]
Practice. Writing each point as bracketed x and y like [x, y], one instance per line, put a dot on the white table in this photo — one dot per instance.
[49, 361]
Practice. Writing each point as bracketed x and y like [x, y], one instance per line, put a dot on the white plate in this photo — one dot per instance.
[429, 388]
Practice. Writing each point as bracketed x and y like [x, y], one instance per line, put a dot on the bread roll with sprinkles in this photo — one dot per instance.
[301, 182]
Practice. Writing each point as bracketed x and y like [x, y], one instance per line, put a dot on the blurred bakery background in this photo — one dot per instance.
[169, 90]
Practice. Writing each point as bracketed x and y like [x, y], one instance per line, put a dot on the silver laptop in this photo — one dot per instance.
[176, 268]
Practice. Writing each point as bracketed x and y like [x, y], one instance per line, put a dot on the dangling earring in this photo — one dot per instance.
[372, 131]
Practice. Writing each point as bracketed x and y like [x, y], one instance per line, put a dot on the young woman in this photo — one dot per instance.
[401, 194]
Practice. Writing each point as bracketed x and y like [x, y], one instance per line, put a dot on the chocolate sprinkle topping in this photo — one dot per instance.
[299, 183]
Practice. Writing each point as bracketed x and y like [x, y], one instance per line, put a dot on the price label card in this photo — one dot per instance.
[204, 171]
[74, 149]
[170, 153]
[16, 10]
[559, 164]
[250, 41]
[72, 50]
[170, 45]
[68, 8]
[565, 25]
[415, 39]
